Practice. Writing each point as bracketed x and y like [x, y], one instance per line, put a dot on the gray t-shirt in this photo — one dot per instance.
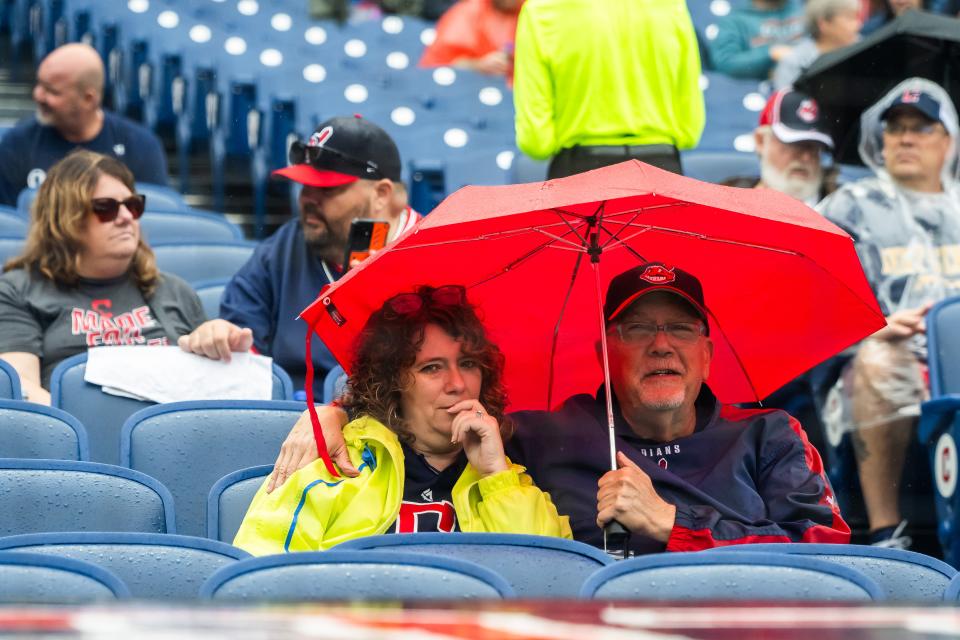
[39, 317]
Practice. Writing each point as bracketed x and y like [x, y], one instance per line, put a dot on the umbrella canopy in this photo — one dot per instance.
[847, 81]
[783, 286]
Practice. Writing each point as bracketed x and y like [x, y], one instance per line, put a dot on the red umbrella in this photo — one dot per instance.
[783, 286]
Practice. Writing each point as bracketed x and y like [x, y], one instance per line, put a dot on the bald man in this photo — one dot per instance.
[69, 114]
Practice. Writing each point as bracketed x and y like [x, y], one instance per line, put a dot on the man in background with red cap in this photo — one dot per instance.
[790, 139]
[349, 168]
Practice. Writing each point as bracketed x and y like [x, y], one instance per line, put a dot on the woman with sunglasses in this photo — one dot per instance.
[427, 401]
[86, 277]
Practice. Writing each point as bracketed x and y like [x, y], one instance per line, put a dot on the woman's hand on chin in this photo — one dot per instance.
[479, 434]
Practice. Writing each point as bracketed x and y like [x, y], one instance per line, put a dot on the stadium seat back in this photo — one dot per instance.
[196, 262]
[153, 566]
[535, 566]
[33, 578]
[9, 382]
[174, 226]
[31, 430]
[190, 445]
[59, 495]
[374, 575]
[334, 384]
[103, 414]
[904, 576]
[944, 347]
[10, 247]
[717, 166]
[210, 292]
[229, 499]
[730, 576]
[12, 224]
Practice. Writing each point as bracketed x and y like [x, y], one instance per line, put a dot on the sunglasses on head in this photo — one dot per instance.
[107, 209]
[408, 304]
[305, 153]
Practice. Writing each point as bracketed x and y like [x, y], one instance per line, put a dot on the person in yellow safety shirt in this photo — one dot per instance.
[597, 82]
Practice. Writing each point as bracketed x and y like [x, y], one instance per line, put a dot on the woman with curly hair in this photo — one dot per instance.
[427, 401]
[86, 276]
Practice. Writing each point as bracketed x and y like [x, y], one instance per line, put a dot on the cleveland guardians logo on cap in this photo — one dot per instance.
[807, 111]
[320, 138]
[910, 96]
[658, 274]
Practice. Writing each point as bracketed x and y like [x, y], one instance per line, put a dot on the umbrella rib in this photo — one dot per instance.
[561, 213]
[706, 238]
[512, 265]
[556, 330]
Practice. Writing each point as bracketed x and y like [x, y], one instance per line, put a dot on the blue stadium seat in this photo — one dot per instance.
[30, 430]
[159, 198]
[201, 261]
[353, 575]
[59, 495]
[190, 445]
[728, 116]
[24, 200]
[952, 592]
[170, 227]
[333, 384]
[9, 382]
[153, 566]
[905, 576]
[749, 575]
[939, 427]
[103, 414]
[12, 224]
[210, 292]
[34, 578]
[535, 566]
[229, 499]
[10, 248]
[717, 166]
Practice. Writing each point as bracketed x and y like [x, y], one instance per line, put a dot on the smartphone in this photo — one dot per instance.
[365, 236]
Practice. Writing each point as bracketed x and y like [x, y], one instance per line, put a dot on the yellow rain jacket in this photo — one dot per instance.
[313, 511]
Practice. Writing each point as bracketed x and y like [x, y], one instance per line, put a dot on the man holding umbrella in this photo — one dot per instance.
[692, 474]
[906, 225]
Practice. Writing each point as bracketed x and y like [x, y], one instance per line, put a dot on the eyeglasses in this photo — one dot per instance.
[305, 153]
[408, 304]
[646, 332]
[895, 128]
[107, 209]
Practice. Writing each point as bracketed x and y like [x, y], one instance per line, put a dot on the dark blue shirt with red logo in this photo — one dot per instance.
[427, 495]
[742, 476]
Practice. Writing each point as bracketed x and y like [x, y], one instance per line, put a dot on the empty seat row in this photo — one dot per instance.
[194, 261]
[457, 566]
[183, 447]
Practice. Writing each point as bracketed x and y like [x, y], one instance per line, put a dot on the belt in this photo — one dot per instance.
[620, 150]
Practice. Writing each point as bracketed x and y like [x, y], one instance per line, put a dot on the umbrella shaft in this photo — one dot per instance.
[606, 368]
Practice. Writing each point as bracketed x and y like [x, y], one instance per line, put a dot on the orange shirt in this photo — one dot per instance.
[471, 29]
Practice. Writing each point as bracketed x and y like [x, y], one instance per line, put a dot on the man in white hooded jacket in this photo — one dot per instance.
[906, 224]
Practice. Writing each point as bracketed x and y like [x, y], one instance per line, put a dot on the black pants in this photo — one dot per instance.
[578, 159]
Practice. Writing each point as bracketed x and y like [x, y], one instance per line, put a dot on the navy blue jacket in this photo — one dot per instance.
[30, 148]
[279, 281]
[742, 476]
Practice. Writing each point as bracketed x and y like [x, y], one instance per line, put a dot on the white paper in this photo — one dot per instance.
[169, 374]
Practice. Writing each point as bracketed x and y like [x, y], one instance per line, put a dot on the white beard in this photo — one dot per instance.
[803, 189]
